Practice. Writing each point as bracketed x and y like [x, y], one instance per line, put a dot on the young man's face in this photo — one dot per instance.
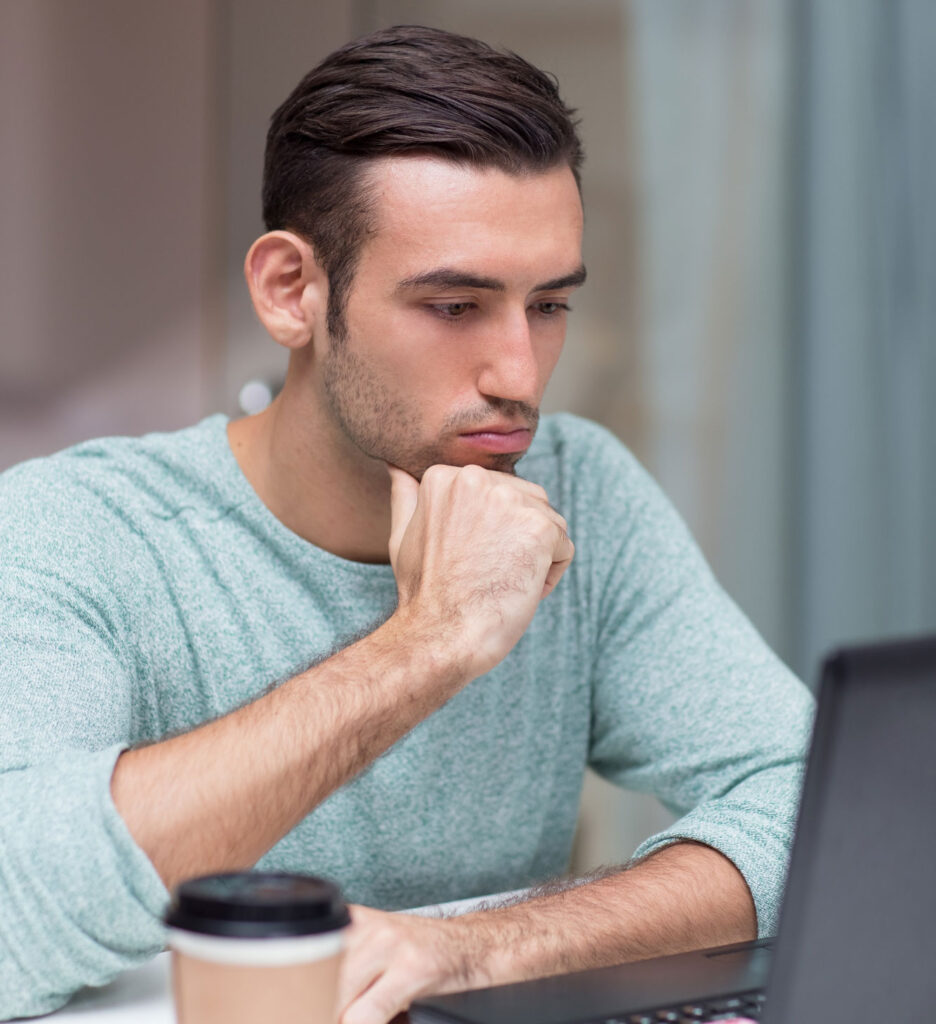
[456, 315]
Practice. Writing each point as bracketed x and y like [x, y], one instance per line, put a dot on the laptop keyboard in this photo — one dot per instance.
[732, 1008]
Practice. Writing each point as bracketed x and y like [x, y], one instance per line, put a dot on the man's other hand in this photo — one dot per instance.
[474, 552]
[684, 896]
[393, 959]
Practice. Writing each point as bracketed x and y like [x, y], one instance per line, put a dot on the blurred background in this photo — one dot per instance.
[759, 324]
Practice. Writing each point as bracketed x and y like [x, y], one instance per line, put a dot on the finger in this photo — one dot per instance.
[389, 995]
[404, 494]
[350, 992]
[558, 520]
[528, 488]
[562, 559]
[364, 957]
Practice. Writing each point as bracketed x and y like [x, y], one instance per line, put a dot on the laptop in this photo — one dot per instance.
[856, 941]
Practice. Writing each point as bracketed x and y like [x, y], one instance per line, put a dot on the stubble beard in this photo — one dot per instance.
[380, 424]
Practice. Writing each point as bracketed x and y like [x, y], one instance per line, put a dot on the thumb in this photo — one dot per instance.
[404, 493]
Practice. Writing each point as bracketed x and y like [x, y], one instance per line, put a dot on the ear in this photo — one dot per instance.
[288, 288]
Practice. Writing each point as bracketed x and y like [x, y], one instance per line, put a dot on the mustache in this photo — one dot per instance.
[480, 415]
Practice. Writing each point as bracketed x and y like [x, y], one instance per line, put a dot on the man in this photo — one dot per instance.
[207, 661]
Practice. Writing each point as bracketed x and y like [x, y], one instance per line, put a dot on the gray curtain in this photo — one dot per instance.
[710, 86]
[865, 265]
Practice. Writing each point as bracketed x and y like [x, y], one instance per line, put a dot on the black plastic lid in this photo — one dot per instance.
[257, 904]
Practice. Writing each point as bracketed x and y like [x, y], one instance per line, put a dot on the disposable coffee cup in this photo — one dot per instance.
[256, 947]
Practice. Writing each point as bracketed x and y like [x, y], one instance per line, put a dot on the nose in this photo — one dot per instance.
[510, 370]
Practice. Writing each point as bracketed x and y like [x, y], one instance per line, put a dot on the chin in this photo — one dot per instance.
[494, 461]
[416, 463]
[505, 463]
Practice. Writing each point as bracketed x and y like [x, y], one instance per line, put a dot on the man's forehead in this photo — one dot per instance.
[404, 184]
[431, 214]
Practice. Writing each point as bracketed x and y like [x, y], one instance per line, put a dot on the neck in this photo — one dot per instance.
[313, 479]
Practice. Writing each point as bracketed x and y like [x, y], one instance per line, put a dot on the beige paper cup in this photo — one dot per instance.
[256, 947]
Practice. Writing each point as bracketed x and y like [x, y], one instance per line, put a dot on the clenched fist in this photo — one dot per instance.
[474, 552]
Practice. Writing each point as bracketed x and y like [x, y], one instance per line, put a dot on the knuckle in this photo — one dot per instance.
[387, 935]
[412, 962]
[473, 476]
[503, 497]
[434, 474]
[378, 938]
[541, 526]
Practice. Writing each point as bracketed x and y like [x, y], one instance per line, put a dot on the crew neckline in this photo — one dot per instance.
[249, 501]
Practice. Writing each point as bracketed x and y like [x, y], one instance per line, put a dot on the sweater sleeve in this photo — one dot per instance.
[79, 901]
[689, 703]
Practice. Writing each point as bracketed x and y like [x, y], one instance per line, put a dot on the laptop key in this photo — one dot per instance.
[668, 1016]
[721, 1005]
[641, 1018]
[692, 1010]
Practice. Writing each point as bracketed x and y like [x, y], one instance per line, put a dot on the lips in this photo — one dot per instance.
[499, 427]
[499, 439]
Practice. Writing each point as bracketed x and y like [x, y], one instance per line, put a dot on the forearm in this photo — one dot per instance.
[473, 553]
[687, 896]
[217, 798]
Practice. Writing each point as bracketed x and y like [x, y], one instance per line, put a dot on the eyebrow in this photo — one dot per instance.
[446, 277]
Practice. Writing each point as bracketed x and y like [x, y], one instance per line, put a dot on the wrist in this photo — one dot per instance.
[553, 933]
[507, 945]
[434, 648]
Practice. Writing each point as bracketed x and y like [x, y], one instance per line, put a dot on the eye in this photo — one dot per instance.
[452, 310]
[552, 308]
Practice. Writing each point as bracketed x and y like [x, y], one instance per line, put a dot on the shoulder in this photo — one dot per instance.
[97, 494]
[159, 465]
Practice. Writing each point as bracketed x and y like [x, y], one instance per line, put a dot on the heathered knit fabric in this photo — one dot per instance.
[145, 588]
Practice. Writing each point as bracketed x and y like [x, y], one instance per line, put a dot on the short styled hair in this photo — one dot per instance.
[402, 90]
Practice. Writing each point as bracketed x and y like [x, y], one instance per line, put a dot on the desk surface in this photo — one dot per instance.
[143, 995]
[140, 996]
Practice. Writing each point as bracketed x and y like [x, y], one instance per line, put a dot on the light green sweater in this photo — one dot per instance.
[145, 588]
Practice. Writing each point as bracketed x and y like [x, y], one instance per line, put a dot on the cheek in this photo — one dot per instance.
[408, 346]
[548, 350]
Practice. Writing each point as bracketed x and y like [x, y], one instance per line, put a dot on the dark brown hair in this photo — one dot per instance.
[406, 89]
